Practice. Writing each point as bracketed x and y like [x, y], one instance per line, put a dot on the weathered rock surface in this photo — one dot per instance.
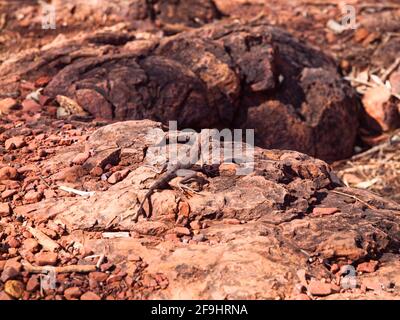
[280, 232]
[221, 75]
[191, 13]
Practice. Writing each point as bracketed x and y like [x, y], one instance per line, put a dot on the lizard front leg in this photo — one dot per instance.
[187, 176]
[140, 212]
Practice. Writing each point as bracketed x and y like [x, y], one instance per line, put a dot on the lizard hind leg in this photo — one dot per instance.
[187, 189]
[190, 175]
[141, 211]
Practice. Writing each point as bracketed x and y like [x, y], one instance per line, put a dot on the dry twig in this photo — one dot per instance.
[355, 198]
[84, 268]
[46, 242]
[390, 70]
[77, 192]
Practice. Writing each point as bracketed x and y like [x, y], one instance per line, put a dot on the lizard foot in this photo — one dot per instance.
[187, 190]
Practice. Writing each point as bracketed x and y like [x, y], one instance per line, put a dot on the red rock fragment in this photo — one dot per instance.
[184, 209]
[231, 221]
[96, 172]
[46, 258]
[33, 283]
[378, 106]
[8, 193]
[6, 105]
[318, 288]
[361, 34]
[80, 158]
[182, 231]
[32, 106]
[227, 169]
[13, 242]
[5, 209]
[335, 268]
[42, 81]
[195, 225]
[368, 267]
[324, 211]
[70, 174]
[72, 293]
[15, 143]
[395, 82]
[90, 296]
[33, 196]
[115, 178]
[27, 85]
[31, 245]
[98, 276]
[4, 296]
[171, 237]
[12, 268]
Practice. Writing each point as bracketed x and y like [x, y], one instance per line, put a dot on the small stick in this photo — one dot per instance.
[365, 83]
[100, 261]
[112, 222]
[390, 70]
[44, 181]
[78, 192]
[354, 197]
[46, 242]
[84, 268]
[368, 84]
[92, 257]
[115, 235]
[370, 151]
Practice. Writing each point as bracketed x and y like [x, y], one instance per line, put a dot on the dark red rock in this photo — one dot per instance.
[32, 106]
[324, 211]
[182, 231]
[98, 276]
[90, 296]
[72, 293]
[12, 269]
[4, 296]
[33, 283]
[368, 267]
[33, 196]
[318, 288]
[7, 173]
[46, 258]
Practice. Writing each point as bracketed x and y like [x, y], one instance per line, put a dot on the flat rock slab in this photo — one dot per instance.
[259, 228]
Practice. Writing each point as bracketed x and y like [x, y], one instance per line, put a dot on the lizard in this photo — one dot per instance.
[170, 171]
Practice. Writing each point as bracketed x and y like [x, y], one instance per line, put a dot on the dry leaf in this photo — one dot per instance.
[367, 184]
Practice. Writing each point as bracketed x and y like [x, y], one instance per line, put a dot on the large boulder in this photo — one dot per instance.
[221, 75]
